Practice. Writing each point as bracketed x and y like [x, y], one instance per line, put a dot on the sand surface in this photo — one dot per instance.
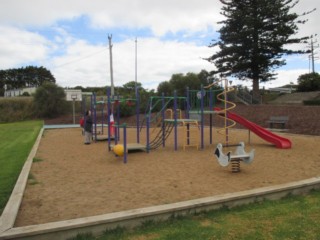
[74, 180]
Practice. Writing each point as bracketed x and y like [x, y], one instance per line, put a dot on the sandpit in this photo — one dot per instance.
[74, 180]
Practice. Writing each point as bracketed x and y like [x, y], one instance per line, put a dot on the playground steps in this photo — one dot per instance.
[191, 134]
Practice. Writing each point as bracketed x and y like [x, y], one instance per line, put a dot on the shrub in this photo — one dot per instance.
[312, 102]
[309, 82]
[50, 101]
[127, 110]
[16, 109]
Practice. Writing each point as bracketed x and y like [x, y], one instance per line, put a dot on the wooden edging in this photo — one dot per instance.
[135, 217]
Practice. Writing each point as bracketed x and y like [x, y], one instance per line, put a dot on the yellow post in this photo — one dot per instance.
[225, 110]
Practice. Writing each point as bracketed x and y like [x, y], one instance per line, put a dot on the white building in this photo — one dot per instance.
[19, 92]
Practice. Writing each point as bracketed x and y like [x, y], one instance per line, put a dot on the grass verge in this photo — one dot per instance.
[295, 217]
[16, 141]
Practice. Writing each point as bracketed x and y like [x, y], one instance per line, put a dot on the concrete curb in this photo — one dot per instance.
[132, 218]
[135, 217]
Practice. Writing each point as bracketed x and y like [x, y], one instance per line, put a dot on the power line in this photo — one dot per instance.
[82, 58]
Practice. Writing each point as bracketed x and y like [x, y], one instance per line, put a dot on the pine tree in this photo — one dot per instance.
[254, 37]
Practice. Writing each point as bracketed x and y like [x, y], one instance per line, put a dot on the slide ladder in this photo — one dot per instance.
[191, 134]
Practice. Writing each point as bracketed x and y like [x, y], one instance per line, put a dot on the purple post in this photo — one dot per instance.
[147, 131]
[211, 109]
[188, 103]
[117, 129]
[138, 114]
[202, 117]
[95, 116]
[108, 116]
[175, 121]
[125, 143]
[187, 116]
[162, 123]
[102, 116]
[116, 137]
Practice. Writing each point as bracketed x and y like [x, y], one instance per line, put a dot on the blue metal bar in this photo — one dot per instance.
[95, 116]
[202, 116]
[162, 122]
[188, 103]
[102, 116]
[138, 113]
[118, 119]
[210, 108]
[108, 116]
[147, 132]
[124, 143]
[187, 116]
[175, 121]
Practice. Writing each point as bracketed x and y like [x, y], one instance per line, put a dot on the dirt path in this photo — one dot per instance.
[74, 180]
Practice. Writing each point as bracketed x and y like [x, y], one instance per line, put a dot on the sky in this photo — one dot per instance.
[151, 40]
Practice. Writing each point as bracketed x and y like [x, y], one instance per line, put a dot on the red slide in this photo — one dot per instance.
[277, 140]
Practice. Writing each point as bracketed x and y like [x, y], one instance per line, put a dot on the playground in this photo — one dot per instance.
[74, 180]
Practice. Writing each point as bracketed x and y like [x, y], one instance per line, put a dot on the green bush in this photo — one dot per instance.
[50, 101]
[16, 109]
[312, 102]
[309, 82]
[127, 110]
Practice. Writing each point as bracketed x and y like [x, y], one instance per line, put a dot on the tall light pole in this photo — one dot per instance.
[111, 67]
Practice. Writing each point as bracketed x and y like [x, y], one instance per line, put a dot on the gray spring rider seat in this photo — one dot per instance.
[239, 155]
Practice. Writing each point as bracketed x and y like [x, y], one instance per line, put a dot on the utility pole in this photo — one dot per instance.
[312, 52]
[136, 90]
[111, 68]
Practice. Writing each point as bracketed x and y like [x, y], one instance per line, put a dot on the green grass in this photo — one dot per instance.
[35, 160]
[16, 141]
[32, 180]
[295, 217]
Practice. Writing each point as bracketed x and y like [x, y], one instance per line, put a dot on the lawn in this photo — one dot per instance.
[295, 217]
[16, 141]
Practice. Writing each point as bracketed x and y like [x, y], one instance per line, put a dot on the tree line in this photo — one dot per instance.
[253, 39]
[30, 76]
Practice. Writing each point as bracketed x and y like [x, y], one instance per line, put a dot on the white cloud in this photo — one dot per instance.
[18, 46]
[89, 65]
[311, 26]
[37, 12]
[81, 65]
[160, 16]
[287, 76]
[79, 62]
